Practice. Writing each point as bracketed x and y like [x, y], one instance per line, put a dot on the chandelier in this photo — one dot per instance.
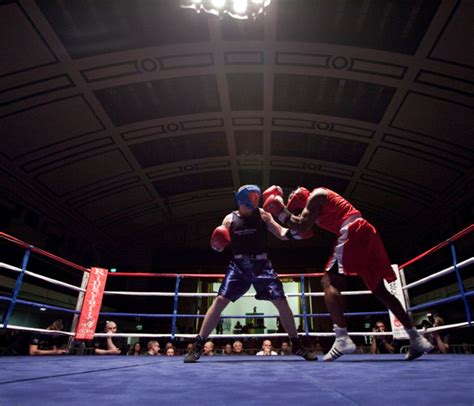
[241, 9]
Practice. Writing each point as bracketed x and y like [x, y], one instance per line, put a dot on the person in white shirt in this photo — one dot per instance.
[266, 348]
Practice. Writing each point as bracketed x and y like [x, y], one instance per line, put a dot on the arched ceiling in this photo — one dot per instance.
[132, 122]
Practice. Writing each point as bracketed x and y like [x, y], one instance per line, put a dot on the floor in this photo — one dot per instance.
[226, 380]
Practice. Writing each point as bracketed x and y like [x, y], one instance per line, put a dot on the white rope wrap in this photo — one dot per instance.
[191, 336]
[44, 278]
[214, 294]
[462, 264]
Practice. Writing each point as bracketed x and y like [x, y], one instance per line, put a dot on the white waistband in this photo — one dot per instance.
[348, 221]
[251, 256]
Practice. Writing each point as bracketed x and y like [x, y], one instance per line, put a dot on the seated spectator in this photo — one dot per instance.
[266, 348]
[169, 345]
[317, 349]
[208, 349]
[45, 344]
[381, 344]
[238, 348]
[110, 345]
[438, 339]
[285, 348]
[153, 348]
[227, 349]
[189, 347]
[136, 349]
[170, 352]
[466, 349]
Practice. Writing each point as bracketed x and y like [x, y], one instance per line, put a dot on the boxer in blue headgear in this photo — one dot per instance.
[246, 231]
[249, 196]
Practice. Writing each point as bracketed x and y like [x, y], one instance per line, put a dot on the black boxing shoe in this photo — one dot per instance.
[297, 348]
[196, 351]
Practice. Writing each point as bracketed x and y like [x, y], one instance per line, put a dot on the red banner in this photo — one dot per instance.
[92, 303]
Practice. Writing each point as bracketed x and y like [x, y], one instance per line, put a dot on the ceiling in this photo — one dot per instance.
[130, 124]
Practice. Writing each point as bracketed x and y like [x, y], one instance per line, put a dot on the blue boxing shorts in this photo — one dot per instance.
[242, 273]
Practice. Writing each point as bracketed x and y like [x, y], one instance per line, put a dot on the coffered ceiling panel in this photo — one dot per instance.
[121, 118]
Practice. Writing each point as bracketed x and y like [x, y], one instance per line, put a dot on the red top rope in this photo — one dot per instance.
[199, 275]
[455, 237]
[41, 252]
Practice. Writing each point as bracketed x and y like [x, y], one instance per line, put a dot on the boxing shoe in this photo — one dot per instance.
[195, 353]
[342, 345]
[418, 345]
[297, 348]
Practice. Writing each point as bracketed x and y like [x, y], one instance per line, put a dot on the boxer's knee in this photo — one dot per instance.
[325, 281]
[332, 279]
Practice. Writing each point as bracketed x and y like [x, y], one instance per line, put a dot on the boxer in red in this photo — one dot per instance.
[357, 251]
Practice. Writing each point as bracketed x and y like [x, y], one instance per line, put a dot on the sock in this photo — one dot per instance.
[200, 340]
[412, 332]
[340, 331]
[295, 341]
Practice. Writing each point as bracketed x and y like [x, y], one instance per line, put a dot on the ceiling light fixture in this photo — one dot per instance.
[241, 9]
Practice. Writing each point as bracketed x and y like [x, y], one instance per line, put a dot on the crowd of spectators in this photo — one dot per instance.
[35, 344]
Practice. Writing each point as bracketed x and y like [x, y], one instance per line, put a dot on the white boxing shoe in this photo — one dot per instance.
[342, 345]
[418, 346]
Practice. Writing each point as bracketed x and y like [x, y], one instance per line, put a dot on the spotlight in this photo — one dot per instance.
[240, 6]
[218, 3]
[240, 9]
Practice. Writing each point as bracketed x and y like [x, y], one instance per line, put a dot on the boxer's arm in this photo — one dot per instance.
[227, 221]
[310, 213]
[276, 229]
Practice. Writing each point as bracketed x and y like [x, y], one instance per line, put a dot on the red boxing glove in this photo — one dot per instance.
[276, 207]
[272, 190]
[220, 238]
[297, 200]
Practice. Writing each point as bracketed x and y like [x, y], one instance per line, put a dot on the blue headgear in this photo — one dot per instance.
[242, 196]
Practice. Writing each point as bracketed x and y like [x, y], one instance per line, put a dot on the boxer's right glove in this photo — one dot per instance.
[220, 238]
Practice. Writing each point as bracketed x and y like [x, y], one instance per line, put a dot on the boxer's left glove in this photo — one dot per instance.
[276, 207]
[297, 200]
[220, 238]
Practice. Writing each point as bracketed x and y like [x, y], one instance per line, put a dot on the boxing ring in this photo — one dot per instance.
[357, 379]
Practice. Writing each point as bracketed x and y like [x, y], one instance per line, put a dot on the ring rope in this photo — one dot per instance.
[191, 336]
[44, 278]
[446, 271]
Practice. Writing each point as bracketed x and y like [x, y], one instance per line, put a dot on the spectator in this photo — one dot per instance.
[285, 348]
[136, 349]
[220, 327]
[238, 348]
[266, 348]
[381, 344]
[189, 347]
[208, 349]
[170, 352]
[46, 344]
[110, 345]
[318, 349]
[153, 348]
[238, 328]
[466, 349]
[439, 341]
[227, 349]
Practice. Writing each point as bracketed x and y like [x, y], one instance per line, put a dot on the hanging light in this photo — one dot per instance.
[241, 9]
